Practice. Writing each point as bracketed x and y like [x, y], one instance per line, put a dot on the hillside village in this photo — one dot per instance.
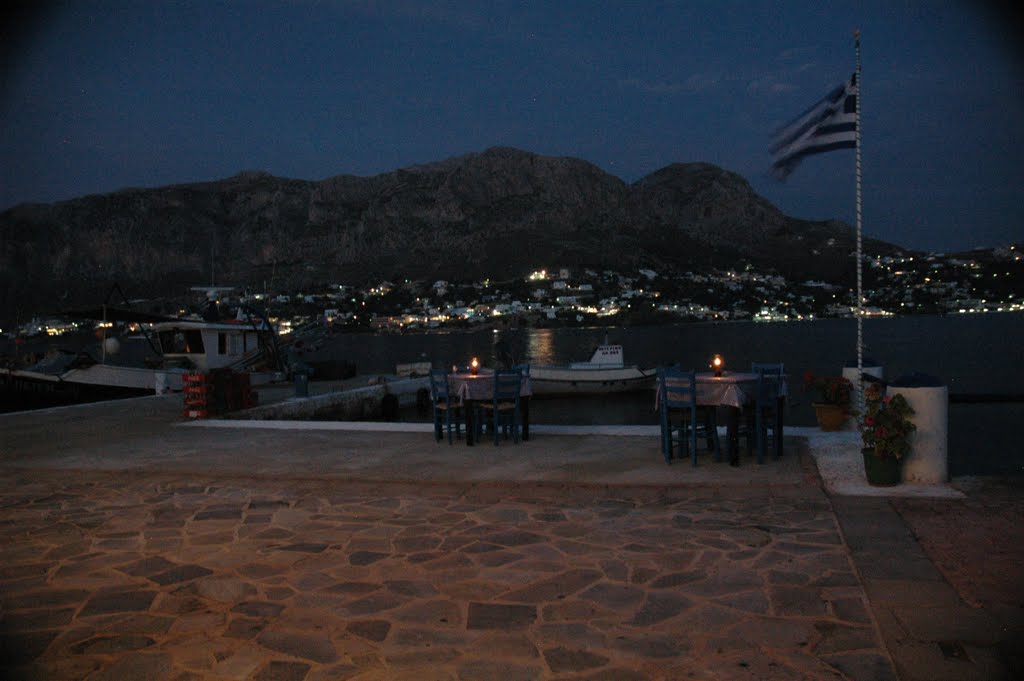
[977, 282]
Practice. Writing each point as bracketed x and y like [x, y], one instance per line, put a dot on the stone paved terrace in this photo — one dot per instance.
[136, 547]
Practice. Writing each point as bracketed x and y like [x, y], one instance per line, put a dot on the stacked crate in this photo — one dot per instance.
[217, 392]
[198, 392]
[234, 390]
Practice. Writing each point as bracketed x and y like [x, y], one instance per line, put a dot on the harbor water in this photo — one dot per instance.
[977, 356]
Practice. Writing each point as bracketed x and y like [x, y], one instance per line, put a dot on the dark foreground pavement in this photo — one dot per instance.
[148, 552]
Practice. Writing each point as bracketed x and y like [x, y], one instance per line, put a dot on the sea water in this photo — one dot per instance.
[971, 354]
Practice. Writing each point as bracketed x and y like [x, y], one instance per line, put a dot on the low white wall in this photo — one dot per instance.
[928, 460]
[357, 403]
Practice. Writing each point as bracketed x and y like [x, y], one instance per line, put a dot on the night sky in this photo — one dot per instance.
[98, 96]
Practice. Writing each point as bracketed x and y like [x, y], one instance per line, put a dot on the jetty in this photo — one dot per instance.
[141, 544]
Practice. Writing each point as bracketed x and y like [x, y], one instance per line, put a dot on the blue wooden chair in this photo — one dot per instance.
[678, 400]
[503, 411]
[763, 411]
[447, 406]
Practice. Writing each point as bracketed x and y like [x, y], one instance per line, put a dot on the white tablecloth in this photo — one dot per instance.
[481, 386]
[731, 389]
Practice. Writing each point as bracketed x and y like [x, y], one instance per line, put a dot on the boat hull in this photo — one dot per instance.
[25, 390]
[573, 381]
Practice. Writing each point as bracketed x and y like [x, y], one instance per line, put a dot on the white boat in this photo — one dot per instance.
[182, 346]
[604, 372]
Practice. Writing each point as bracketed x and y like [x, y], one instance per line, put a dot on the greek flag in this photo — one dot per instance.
[829, 124]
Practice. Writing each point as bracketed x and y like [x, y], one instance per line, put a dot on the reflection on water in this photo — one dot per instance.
[541, 346]
[969, 353]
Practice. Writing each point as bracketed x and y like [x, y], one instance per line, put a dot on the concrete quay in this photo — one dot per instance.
[141, 546]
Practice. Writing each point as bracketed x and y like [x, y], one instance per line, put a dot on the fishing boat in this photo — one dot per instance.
[117, 368]
[605, 372]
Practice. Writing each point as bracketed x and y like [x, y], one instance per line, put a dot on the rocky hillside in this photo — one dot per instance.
[499, 213]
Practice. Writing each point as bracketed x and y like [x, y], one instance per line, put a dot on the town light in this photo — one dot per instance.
[717, 364]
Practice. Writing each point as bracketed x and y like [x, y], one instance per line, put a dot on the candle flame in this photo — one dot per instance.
[717, 363]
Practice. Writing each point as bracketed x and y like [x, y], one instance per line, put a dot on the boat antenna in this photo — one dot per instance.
[124, 300]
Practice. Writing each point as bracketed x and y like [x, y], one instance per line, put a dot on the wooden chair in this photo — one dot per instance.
[447, 406]
[762, 413]
[678, 400]
[503, 411]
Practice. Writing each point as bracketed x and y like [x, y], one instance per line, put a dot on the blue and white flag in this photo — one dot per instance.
[829, 124]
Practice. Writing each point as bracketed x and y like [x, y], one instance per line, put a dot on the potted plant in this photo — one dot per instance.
[885, 433]
[833, 404]
[873, 394]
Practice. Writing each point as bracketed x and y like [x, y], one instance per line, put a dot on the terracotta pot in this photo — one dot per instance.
[881, 472]
[830, 416]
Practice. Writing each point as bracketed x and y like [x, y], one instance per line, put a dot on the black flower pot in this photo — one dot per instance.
[881, 472]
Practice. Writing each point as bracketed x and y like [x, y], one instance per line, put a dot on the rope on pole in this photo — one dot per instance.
[860, 259]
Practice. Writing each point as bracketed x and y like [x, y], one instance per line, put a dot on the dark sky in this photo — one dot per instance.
[99, 95]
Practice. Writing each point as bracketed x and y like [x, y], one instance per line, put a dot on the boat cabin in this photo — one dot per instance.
[604, 356]
[207, 345]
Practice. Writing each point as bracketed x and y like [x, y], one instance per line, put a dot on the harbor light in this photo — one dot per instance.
[717, 365]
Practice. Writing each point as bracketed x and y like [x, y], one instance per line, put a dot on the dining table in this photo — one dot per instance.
[479, 387]
[733, 390]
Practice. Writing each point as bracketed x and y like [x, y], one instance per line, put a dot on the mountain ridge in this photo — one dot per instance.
[499, 213]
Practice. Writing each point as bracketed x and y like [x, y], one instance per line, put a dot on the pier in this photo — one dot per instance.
[139, 544]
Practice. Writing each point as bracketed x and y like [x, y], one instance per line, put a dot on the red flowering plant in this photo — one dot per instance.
[873, 394]
[832, 389]
[887, 425]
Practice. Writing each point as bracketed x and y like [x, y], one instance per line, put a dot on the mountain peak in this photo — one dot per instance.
[498, 213]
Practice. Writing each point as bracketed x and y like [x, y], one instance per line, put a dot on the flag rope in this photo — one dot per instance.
[860, 260]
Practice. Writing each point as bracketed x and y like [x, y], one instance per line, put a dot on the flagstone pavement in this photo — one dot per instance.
[179, 571]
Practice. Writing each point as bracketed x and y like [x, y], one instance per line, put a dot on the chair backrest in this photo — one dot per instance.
[507, 384]
[768, 376]
[678, 387]
[769, 368]
[439, 384]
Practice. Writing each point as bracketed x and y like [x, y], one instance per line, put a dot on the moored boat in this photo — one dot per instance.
[178, 346]
[605, 372]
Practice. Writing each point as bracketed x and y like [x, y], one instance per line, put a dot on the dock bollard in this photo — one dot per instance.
[300, 373]
[928, 460]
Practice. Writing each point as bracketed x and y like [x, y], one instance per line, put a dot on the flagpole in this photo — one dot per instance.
[860, 285]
